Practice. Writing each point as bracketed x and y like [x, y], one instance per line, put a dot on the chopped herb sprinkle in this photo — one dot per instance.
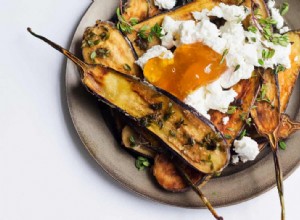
[141, 163]
[282, 145]
[132, 141]
[126, 67]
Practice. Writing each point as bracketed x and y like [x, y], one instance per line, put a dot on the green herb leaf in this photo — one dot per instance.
[132, 141]
[93, 55]
[157, 30]
[243, 134]
[141, 163]
[282, 145]
[103, 52]
[96, 42]
[224, 55]
[237, 67]
[126, 67]
[279, 68]
[248, 121]
[284, 8]
[252, 28]
[122, 25]
[133, 21]
[227, 136]
[261, 62]
[231, 109]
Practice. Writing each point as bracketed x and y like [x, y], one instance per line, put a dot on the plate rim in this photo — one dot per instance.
[70, 67]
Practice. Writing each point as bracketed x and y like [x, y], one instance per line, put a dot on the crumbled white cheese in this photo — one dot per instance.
[284, 29]
[165, 4]
[155, 51]
[225, 120]
[275, 14]
[243, 51]
[246, 148]
[296, 58]
[235, 159]
[207, 69]
[170, 28]
[200, 15]
[209, 97]
[230, 12]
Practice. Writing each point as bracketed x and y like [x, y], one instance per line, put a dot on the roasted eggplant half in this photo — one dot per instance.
[164, 169]
[287, 78]
[104, 44]
[266, 116]
[168, 177]
[197, 141]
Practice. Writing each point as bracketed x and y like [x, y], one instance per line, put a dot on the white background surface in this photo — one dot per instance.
[45, 173]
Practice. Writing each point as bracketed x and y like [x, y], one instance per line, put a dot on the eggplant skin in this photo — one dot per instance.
[197, 141]
[110, 48]
[287, 79]
[266, 114]
[168, 177]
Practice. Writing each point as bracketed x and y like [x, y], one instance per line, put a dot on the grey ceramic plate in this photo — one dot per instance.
[256, 177]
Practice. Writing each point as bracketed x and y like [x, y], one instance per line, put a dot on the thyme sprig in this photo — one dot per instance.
[123, 25]
[265, 26]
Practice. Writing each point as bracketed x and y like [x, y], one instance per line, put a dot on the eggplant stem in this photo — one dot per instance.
[83, 66]
[199, 192]
[278, 172]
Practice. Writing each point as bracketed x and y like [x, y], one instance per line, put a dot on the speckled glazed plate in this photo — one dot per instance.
[256, 177]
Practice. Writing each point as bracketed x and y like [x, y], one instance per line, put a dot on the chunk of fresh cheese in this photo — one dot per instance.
[155, 51]
[275, 14]
[246, 149]
[209, 97]
[225, 120]
[165, 4]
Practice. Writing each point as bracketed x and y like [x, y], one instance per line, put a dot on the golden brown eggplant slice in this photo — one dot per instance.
[266, 116]
[287, 79]
[196, 141]
[104, 44]
[164, 169]
[136, 143]
[238, 113]
[167, 176]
